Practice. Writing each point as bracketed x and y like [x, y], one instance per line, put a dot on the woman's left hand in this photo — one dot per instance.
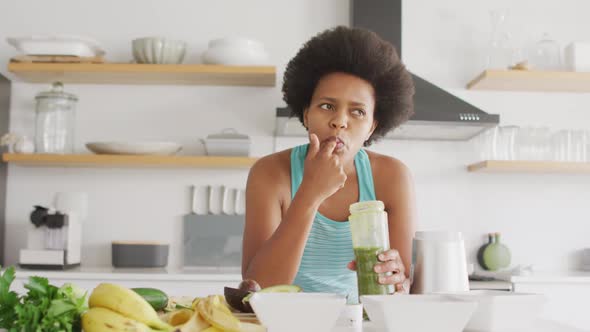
[391, 262]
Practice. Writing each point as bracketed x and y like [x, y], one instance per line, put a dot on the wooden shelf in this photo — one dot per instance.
[497, 166]
[125, 73]
[523, 80]
[94, 160]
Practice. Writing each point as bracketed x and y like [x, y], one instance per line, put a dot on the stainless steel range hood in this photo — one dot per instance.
[439, 115]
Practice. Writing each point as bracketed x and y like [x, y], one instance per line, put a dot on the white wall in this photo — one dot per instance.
[544, 218]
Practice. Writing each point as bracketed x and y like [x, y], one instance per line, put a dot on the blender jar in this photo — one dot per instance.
[370, 237]
[54, 123]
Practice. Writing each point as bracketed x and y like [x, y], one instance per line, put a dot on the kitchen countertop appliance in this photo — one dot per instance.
[54, 240]
[438, 263]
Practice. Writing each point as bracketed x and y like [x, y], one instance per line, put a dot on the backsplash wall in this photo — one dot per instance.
[543, 217]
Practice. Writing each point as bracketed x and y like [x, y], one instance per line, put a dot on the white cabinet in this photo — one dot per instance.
[173, 283]
[566, 302]
[172, 288]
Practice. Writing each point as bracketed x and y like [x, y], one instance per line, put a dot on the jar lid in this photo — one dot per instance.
[57, 92]
[366, 206]
[228, 133]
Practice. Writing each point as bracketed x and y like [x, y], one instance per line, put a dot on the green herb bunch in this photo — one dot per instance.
[45, 308]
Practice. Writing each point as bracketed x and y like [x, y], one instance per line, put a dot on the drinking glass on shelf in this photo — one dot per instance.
[546, 54]
[540, 140]
[571, 145]
[499, 54]
[504, 145]
[484, 144]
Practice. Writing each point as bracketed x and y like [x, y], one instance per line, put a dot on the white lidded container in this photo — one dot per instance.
[228, 142]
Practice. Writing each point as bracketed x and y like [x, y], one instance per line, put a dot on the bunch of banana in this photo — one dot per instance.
[116, 308]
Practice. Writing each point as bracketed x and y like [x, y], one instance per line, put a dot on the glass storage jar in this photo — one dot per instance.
[54, 122]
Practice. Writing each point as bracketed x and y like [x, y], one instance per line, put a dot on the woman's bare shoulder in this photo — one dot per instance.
[274, 164]
[273, 170]
[387, 166]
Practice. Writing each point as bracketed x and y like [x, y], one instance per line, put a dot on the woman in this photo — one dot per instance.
[349, 88]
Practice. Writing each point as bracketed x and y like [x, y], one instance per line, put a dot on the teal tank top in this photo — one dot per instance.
[328, 249]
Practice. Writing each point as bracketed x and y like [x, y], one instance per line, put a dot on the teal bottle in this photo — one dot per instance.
[496, 255]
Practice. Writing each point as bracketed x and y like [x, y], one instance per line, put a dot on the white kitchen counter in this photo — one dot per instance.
[153, 274]
[540, 325]
[552, 277]
[540, 276]
[175, 282]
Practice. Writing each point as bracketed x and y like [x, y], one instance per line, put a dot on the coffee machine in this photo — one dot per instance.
[54, 240]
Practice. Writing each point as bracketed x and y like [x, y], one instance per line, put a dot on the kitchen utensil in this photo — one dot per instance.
[135, 148]
[501, 310]
[200, 199]
[418, 313]
[496, 255]
[283, 312]
[240, 201]
[370, 237]
[213, 241]
[57, 45]
[215, 199]
[139, 254]
[54, 121]
[227, 143]
[229, 201]
[236, 51]
[438, 262]
[158, 50]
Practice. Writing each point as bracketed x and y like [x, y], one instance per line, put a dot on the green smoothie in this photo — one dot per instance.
[368, 279]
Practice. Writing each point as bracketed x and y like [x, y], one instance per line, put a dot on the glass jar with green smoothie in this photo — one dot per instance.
[370, 237]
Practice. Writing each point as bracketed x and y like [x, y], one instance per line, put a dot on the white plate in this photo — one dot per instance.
[137, 148]
[57, 45]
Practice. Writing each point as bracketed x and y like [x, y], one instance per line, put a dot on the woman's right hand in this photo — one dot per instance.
[323, 171]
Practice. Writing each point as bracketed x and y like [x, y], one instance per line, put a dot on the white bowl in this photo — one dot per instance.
[135, 148]
[158, 50]
[297, 312]
[236, 51]
[418, 313]
[501, 310]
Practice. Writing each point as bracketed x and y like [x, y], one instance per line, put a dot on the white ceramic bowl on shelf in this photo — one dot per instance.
[297, 312]
[236, 51]
[418, 313]
[158, 50]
